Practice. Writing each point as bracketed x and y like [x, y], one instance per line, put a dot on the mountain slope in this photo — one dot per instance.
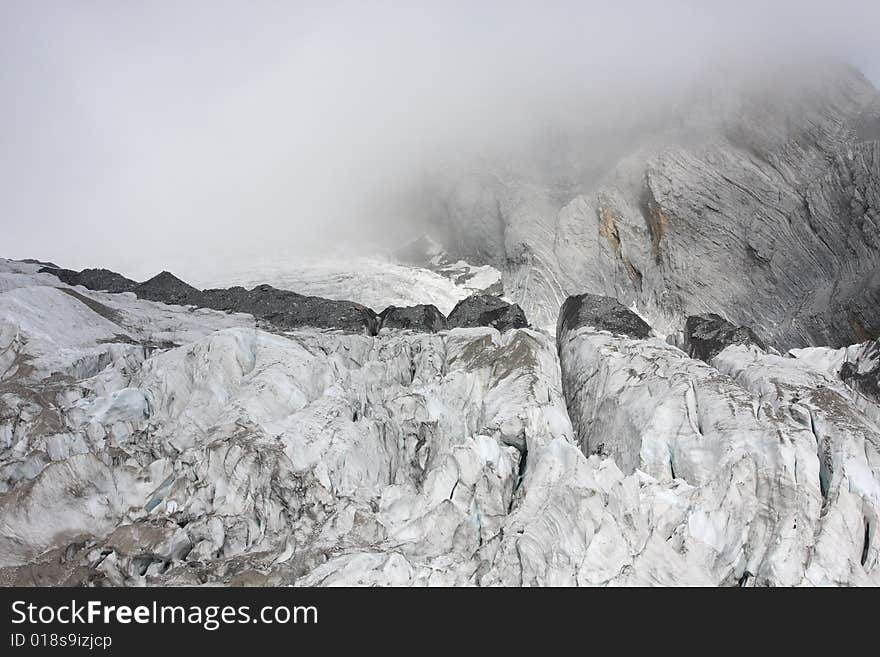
[760, 202]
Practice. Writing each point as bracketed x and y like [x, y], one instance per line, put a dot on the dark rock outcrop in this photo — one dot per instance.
[486, 310]
[230, 299]
[68, 276]
[167, 288]
[602, 313]
[706, 336]
[423, 317]
[93, 279]
[287, 310]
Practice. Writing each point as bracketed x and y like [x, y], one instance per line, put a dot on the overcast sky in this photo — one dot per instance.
[134, 133]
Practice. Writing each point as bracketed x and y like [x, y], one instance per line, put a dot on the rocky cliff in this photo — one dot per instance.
[759, 201]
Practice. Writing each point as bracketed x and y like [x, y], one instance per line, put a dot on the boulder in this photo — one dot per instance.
[706, 336]
[423, 317]
[601, 313]
[487, 310]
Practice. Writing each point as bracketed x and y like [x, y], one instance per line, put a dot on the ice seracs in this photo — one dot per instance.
[147, 443]
[772, 465]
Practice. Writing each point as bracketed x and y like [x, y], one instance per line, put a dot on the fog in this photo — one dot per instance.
[134, 134]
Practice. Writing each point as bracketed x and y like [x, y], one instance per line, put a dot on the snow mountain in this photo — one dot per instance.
[666, 372]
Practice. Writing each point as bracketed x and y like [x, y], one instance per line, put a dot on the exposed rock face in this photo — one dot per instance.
[93, 279]
[601, 313]
[708, 335]
[420, 318]
[753, 194]
[487, 310]
[287, 310]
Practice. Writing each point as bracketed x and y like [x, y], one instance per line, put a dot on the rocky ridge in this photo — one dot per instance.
[284, 309]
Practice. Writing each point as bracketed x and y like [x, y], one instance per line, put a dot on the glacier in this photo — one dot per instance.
[146, 443]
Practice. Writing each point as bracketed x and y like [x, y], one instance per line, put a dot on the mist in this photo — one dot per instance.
[137, 134]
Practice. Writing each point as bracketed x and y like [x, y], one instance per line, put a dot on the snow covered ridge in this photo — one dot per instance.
[374, 281]
[285, 309]
[147, 443]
